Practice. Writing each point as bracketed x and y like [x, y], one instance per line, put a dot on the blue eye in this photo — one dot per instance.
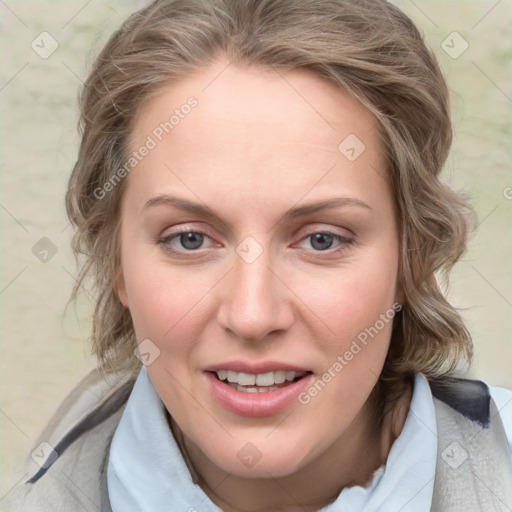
[189, 240]
[323, 240]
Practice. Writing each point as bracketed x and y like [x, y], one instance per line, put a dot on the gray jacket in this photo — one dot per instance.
[67, 469]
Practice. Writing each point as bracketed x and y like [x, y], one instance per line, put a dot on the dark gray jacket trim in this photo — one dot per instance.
[471, 398]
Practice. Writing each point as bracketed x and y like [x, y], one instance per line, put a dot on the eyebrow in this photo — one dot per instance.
[293, 213]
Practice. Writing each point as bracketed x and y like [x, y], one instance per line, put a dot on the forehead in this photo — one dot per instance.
[231, 96]
[255, 129]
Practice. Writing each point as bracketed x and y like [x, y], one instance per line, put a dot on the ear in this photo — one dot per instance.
[120, 289]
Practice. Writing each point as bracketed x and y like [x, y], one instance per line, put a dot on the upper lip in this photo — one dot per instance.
[255, 368]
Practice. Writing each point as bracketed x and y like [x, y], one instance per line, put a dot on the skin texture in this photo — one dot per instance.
[258, 143]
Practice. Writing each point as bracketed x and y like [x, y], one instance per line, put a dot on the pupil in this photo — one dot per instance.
[191, 240]
[321, 237]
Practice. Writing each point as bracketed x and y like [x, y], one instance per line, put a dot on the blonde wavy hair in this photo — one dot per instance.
[368, 48]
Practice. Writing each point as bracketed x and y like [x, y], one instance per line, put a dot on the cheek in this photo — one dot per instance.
[351, 298]
[165, 303]
[353, 357]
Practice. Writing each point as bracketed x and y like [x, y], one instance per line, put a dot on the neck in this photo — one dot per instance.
[351, 460]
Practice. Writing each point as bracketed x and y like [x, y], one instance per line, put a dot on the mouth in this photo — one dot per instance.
[257, 391]
[260, 382]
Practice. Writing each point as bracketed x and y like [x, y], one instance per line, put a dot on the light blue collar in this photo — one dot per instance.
[147, 472]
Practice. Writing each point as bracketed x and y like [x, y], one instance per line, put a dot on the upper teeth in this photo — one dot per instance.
[260, 379]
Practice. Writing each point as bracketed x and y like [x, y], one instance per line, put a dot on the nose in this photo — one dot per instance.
[256, 302]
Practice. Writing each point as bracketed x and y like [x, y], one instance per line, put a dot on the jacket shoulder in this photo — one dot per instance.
[473, 460]
[471, 398]
[68, 462]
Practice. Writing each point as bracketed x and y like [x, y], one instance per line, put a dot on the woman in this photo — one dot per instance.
[257, 197]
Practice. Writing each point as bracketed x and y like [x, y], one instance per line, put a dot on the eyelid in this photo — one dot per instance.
[327, 228]
[327, 232]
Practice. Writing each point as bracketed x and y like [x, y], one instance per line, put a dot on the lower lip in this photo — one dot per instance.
[256, 404]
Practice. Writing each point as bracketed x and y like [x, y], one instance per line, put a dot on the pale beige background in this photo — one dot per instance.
[44, 344]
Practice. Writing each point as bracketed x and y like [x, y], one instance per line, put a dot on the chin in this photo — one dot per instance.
[252, 463]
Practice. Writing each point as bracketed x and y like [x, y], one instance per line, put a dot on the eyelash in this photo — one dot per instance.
[164, 242]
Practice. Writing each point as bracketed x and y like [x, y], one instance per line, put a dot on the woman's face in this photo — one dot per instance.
[288, 272]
